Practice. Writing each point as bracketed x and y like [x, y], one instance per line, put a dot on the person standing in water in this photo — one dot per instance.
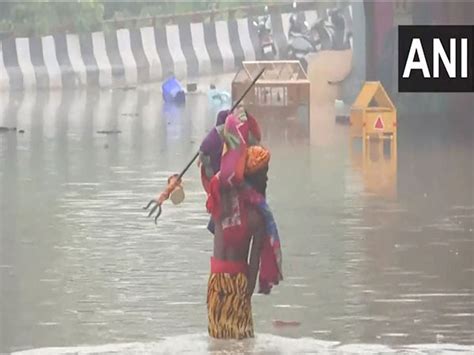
[239, 215]
[234, 265]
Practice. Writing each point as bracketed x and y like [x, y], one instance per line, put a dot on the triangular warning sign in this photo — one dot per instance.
[379, 123]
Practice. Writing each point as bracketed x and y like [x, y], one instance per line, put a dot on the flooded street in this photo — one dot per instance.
[371, 257]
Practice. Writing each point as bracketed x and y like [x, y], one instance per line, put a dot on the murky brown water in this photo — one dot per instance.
[378, 253]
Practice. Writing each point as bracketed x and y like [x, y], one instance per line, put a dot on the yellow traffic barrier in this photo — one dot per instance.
[373, 114]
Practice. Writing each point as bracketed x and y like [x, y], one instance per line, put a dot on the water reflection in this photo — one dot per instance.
[377, 252]
[376, 161]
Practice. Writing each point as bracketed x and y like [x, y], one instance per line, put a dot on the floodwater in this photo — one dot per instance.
[378, 252]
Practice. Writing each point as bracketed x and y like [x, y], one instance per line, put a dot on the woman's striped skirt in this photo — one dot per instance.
[229, 308]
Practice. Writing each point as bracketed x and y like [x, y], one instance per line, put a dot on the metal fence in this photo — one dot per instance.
[211, 15]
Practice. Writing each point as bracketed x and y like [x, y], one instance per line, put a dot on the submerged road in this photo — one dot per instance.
[381, 256]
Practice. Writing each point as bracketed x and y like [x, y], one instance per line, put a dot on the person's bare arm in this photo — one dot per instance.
[258, 233]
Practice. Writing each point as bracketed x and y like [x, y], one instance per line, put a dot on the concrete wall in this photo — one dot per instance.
[128, 57]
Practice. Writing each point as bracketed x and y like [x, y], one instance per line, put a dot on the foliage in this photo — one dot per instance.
[39, 17]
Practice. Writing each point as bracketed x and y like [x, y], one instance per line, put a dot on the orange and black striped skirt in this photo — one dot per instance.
[228, 306]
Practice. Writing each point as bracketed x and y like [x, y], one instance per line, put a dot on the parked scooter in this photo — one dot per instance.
[300, 42]
[264, 29]
[328, 33]
[332, 31]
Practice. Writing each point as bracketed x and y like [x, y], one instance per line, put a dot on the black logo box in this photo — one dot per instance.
[417, 82]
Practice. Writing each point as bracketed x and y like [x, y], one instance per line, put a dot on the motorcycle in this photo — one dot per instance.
[300, 42]
[332, 31]
[327, 33]
[264, 29]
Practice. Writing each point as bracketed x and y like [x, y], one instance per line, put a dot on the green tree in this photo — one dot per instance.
[41, 18]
